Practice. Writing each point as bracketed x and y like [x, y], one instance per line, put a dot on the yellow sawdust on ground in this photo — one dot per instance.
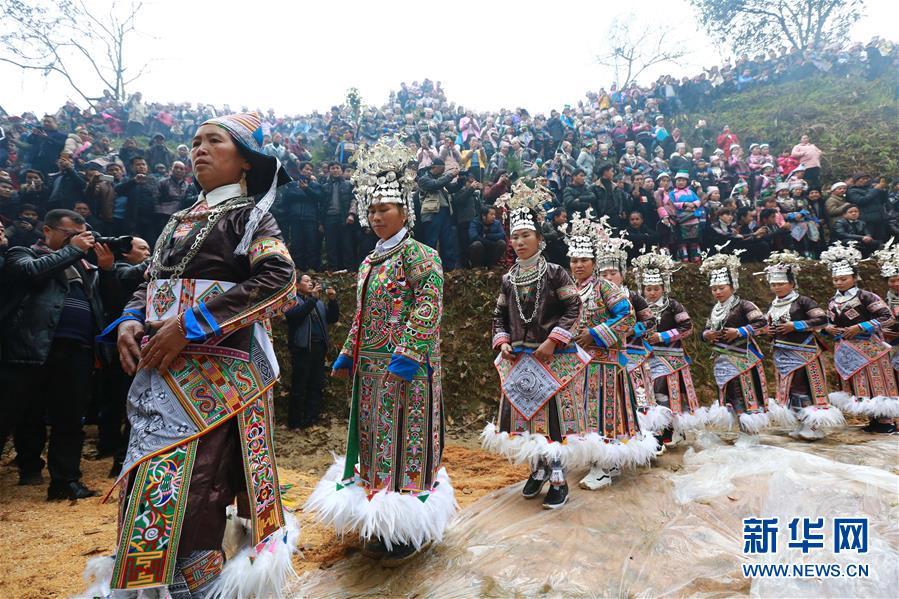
[45, 544]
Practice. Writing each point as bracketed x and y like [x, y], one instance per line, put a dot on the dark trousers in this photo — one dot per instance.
[114, 384]
[306, 384]
[813, 177]
[486, 254]
[305, 244]
[54, 393]
[340, 243]
[442, 231]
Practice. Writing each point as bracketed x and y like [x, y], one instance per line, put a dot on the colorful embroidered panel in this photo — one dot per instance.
[148, 543]
[255, 424]
[265, 247]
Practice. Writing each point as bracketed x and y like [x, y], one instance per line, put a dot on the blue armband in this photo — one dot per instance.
[110, 333]
[342, 361]
[403, 367]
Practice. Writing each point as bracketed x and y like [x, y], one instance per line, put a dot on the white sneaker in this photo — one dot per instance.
[810, 433]
[596, 479]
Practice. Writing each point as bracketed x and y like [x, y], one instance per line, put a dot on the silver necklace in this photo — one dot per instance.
[213, 216]
[526, 280]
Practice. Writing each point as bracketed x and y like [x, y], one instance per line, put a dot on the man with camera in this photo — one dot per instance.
[308, 342]
[142, 192]
[52, 311]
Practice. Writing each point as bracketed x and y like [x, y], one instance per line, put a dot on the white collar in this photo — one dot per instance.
[220, 194]
[848, 294]
[387, 244]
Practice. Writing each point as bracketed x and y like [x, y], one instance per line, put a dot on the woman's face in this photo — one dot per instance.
[581, 268]
[727, 218]
[612, 275]
[652, 293]
[844, 282]
[893, 283]
[215, 158]
[386, 219]
[722, 293]
[525, 242]
[781, 289]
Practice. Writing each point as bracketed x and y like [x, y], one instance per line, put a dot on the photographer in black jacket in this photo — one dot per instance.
[53, 310]
[112, 437]
[308, 342]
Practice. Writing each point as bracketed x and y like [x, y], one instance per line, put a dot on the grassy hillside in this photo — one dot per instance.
[852, 120]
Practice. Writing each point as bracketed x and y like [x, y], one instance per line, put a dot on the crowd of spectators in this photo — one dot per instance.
[122, 169]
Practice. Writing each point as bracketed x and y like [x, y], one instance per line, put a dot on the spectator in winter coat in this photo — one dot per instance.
[158, 153]
[45, 143]
[871, 201]
[611, 200]
[639, 234]
[303, 219]
[809, 155]
[579, 197]
[835, 202]
[586, 160]
[486, 239]
[851, 228]
[725, 140]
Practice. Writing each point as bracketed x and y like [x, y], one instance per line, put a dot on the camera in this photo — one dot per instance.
[117, 245]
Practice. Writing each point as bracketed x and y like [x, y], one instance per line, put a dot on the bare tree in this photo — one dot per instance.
[633, 48]
[66, 38]
[753, 25]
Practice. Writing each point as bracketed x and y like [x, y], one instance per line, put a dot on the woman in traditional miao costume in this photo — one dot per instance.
[793, 319]
[731, 329]
[390, 488]
[606, 319]
[669, 365]
[612, 264]
[888, 259]
[541, 413]
[856, 318]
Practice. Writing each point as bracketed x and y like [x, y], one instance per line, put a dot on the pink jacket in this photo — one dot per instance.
[808, 155]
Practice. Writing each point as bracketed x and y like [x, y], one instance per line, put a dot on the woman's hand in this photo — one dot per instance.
[850, 332]
[730, 334]
[654, 338]
[544, 353]
[130, 333]
[164, 346]
[585, 340]
[711, 335]
[785, 328]
[506, 350]
[340, 373]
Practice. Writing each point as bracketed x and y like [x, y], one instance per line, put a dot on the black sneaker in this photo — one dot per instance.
[399, 555]
[884, 428]
[31, 479]
[71, 491]
[556, 497]
[534, 485]
[374, 549]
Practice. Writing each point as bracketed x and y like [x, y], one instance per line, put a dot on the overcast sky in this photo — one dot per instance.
[299, 56]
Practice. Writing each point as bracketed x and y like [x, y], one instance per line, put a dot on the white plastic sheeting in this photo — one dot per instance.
[673, 530]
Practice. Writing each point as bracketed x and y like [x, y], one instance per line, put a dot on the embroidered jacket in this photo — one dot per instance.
[674, 324]
[746, 318]
[264, 280]
[806, 316]
[556, 315]
[866, 309]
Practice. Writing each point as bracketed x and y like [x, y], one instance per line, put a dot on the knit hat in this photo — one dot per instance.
[837, 185]
[266, 173]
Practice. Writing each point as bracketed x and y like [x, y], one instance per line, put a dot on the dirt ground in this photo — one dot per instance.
[46, 544]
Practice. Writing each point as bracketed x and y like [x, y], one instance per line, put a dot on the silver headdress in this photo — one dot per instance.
[783, 267]
[655, 267]
[842, 259]
[583, 235]
[525, 204]
[888, 259]
[612, 250]
[722, 269]
[384, 175]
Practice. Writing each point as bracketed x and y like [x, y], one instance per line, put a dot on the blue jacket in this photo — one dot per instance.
[476, 232]
[299, 321]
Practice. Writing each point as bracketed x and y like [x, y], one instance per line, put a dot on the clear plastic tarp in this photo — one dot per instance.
[669, 531]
